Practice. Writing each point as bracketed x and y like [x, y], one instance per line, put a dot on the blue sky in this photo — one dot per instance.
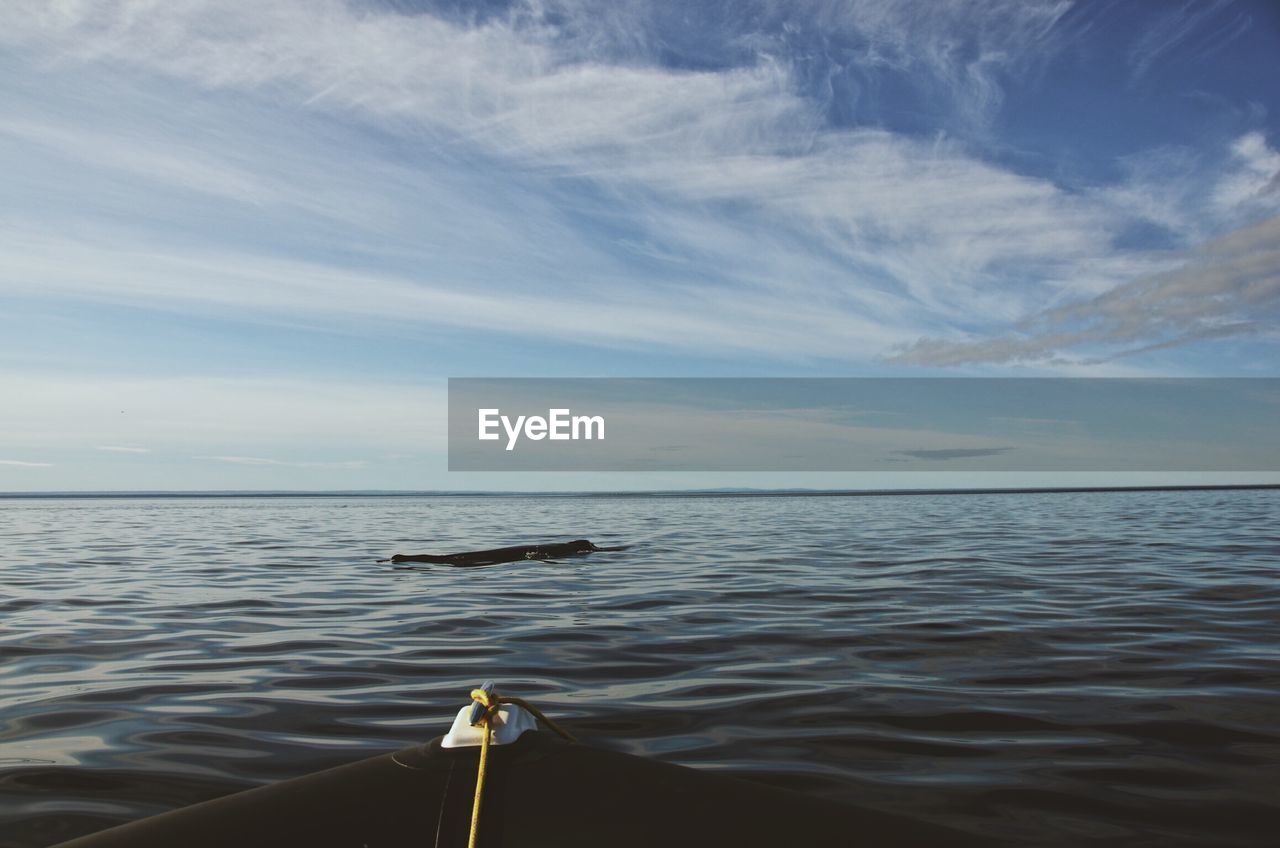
[242, 244]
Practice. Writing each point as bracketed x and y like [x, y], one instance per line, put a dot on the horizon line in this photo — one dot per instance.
[699, 492]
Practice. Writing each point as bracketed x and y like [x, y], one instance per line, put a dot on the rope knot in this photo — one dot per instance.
[490, 702]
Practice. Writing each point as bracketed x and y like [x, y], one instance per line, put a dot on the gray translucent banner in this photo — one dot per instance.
[864, 424]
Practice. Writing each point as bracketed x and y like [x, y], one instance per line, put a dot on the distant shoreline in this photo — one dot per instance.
[674, 493]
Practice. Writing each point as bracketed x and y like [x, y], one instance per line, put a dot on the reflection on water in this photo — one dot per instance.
[1059, 669]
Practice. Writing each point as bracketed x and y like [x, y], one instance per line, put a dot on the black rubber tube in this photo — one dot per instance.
[538, 792]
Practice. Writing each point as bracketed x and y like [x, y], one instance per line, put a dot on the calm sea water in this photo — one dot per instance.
[1056, 669]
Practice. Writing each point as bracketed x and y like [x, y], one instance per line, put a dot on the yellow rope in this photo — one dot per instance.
[491, 704]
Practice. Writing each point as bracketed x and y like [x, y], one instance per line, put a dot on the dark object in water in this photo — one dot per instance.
[497, 555]
[539, 792]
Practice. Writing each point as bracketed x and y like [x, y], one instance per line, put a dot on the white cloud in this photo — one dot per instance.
[257, 460]
[1229, 287]
[770, 232]
[122, 449]
[518, 89]
[20, 463]
[677, 315]
[1253, 185]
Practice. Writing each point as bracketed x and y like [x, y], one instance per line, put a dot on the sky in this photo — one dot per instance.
[244, 243]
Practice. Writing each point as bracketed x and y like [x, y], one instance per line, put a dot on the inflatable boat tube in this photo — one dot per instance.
[539, 792]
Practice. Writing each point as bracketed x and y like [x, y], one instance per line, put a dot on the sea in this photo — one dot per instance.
[1058, 669]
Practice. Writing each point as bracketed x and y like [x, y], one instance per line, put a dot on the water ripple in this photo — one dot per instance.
[1055, 669]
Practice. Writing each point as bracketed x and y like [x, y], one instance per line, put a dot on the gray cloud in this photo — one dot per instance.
[257, 460]
[952, 453]
[1228, 287]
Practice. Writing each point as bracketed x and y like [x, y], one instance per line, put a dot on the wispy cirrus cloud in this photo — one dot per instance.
[1206, 26]
[122, 449]
[1229, 287]
[22, 463]
[539, 96]
[579, 169]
